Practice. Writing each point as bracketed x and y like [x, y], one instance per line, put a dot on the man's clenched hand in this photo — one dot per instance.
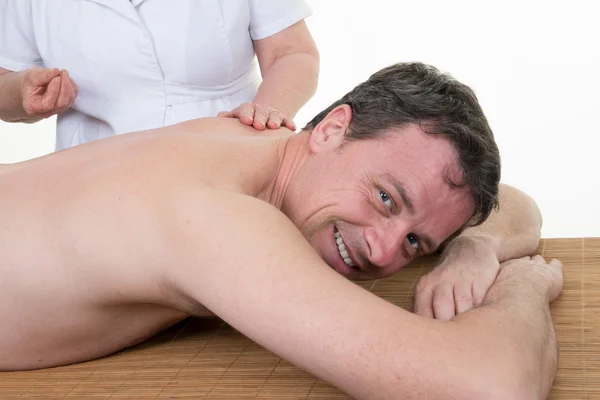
[459, 283]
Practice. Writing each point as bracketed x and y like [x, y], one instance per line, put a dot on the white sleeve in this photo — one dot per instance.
[18, 50]
[267, 17]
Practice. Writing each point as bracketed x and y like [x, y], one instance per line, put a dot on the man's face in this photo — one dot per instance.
[370, 207]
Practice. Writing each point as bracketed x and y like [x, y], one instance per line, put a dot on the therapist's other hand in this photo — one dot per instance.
[47, 92]
[260, 116]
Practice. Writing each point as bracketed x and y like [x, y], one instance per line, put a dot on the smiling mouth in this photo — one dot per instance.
[342, 249]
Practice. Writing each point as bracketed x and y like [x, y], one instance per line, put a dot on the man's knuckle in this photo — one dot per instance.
[422, 284]
[443, 296]
[446, 274]
[464, 299]
[478, 299]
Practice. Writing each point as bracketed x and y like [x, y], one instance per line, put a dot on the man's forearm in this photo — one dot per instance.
[510, 232]
[289, 82]
[517, 328]
[11, 99]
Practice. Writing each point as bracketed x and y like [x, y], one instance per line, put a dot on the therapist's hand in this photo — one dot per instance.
[47, 92]
[260, 116]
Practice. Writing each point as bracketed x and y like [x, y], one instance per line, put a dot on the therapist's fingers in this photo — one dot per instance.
[64, 94]
[245, 113]
[50, 98]
[75, 86]
[41, 104]
[40, 76]
[289, 123]
[225, 114]
[72, 94]
[261, 116]
[275, 120]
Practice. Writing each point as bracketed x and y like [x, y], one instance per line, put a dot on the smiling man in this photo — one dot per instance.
[366, 217]
[207, 217]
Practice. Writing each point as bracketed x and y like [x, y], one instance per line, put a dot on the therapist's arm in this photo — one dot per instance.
[35, 94]
[289, 64]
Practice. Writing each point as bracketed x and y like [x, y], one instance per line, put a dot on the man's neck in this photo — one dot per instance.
[292, 153]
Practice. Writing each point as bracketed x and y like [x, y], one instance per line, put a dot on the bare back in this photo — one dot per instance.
[84, 233]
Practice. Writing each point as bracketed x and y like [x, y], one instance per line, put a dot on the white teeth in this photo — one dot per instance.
[342, 249]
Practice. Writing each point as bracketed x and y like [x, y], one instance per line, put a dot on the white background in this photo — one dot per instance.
[535, 66]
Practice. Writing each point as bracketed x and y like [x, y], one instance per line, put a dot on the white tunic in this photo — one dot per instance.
[145, 63]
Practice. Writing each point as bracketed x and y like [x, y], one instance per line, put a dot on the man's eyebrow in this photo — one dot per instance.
[399, 186]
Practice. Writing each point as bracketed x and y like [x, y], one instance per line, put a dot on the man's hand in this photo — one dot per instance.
[459, 283]
[47, 92]
[260, 116]
[536, 273]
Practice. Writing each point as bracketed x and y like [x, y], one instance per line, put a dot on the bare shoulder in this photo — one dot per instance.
[230, 126]
[246, 262]
[218, 230]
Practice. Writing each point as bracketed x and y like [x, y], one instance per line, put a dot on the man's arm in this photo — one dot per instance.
[247, 263]
[470, 263]
[518, 300]
[510, 232]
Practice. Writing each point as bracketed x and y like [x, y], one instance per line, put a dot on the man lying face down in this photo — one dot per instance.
[206, 217]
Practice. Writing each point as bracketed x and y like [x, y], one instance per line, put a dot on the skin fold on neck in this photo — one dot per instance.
[292, 154]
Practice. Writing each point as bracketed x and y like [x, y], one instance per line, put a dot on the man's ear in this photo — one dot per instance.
[329, 133]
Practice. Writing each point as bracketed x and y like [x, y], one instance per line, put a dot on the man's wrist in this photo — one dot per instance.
[517, 292]
[471, 245]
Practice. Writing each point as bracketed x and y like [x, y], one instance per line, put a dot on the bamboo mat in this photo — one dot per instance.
[206, 359]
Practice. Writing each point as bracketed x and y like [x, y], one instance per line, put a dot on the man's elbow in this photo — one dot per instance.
[524, 220]
[499, 370]
[534, 231]
[517, 381]
[497, 388]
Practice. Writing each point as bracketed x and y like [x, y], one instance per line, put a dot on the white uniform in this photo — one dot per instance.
[145, 63]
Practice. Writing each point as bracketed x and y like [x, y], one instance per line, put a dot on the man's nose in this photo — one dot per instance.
[384, 245]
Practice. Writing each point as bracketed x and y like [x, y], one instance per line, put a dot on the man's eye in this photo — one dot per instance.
[387, 200]
[412, 240]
